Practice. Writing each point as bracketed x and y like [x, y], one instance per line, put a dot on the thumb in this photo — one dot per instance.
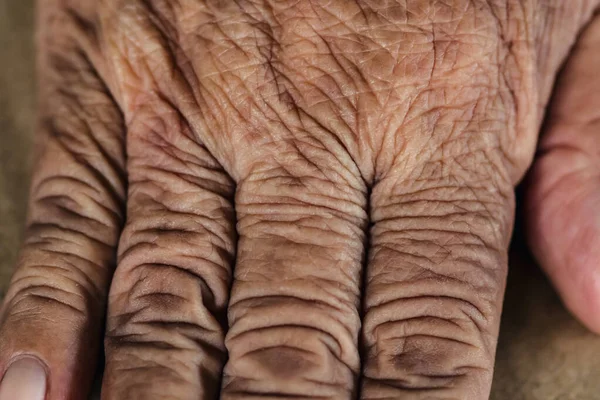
[563, 198]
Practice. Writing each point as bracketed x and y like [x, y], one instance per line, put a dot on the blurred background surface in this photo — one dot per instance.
[543, 354]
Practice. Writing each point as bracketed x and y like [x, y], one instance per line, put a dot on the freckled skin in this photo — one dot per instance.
[283, 199]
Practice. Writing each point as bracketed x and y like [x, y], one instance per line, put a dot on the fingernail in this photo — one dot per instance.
[25, 379]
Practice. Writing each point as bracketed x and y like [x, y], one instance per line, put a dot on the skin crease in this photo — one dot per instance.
[298, 199]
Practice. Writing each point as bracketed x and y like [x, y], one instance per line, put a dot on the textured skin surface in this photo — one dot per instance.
[256, 179]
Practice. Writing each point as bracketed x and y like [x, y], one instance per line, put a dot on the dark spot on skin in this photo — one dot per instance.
[284, 362]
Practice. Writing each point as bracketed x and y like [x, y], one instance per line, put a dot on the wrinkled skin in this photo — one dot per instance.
[299, 199]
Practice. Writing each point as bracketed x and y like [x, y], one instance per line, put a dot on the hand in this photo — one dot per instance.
[355, 160]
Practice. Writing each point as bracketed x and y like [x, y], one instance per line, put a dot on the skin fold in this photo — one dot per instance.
[298, 199]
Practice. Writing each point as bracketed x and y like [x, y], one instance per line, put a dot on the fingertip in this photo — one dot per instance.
[564, 232]
[579, 288]
[589, 311]
[580, 293]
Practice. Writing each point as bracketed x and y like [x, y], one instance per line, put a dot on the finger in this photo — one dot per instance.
[293, 313]
[52, 315]
[434, 284]
[167, 304]
[442, 220]
[563, 196]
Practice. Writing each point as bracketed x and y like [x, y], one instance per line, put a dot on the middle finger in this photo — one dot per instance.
[293, 313]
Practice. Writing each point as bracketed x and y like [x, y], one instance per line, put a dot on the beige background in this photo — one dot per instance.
[543, 353]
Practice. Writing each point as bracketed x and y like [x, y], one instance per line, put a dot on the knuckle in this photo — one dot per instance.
[147, 327]
[435, 342]
[29, 297]
[185, 249]
[293, 309]
[54, 276]
[175, 303]
[279, 338]
[156, 320]
[162, 339]
[279, 360]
